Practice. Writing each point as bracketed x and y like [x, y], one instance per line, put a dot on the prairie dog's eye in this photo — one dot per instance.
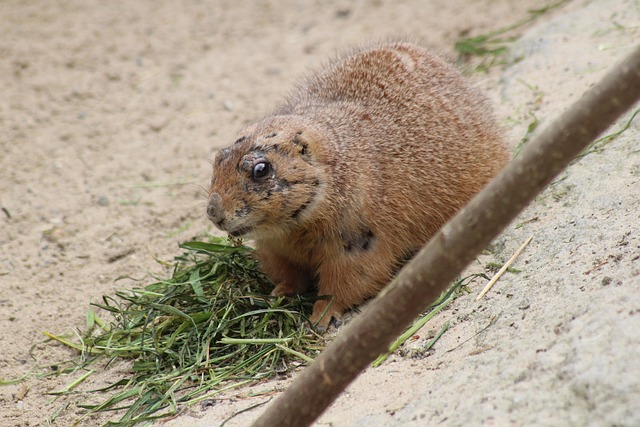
[261, 169]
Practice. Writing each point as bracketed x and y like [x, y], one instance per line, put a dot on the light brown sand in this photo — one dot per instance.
[110, 110]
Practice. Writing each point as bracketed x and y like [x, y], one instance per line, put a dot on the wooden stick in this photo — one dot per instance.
[495, 278]
[423, 279]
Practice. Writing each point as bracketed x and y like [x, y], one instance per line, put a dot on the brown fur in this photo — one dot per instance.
[368, 159]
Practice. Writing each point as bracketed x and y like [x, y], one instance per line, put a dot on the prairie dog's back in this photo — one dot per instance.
[391, 80]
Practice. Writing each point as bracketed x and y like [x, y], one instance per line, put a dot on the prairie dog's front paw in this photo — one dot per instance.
[284, 289]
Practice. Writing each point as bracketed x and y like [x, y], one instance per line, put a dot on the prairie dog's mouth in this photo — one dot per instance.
[239, 232]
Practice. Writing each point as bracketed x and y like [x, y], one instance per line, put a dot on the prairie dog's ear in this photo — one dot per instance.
[301, 144]
[309, 144]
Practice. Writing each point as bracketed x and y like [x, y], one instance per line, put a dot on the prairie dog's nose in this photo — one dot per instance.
[214, 209]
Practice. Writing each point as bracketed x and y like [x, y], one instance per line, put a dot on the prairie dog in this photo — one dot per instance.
[353, 173]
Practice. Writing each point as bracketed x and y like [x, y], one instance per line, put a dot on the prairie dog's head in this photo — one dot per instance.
[270, 180]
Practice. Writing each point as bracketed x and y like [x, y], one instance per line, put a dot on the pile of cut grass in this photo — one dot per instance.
[210, 327]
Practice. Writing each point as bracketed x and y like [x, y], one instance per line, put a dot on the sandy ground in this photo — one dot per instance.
[110, 110]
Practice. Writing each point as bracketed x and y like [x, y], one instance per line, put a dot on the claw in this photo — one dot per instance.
[325, 314]
[283, 289]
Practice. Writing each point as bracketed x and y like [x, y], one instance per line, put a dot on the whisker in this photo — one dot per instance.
[207, 159]
[202, 191]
